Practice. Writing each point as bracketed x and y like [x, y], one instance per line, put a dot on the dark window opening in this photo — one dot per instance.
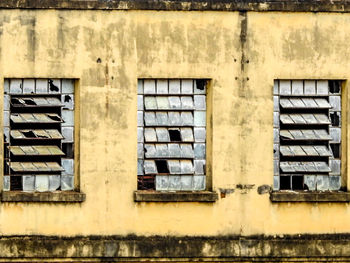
[6, 167]
[67, 98]
[29, 102]
[41, 136]
[54, 118]
[297, 183]
[335, 119]
[15, 101]
[285, 182]
[28, 134]
[53, 87]
[68, 150]
[175, 135]
[162, 166]
[336, 150]
[334, 86]
[201, 84]
[16, 183]
[146, 182]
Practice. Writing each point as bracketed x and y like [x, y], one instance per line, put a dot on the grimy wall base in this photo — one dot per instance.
[308, 248]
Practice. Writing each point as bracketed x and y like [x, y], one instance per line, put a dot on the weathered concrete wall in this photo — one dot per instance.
[241, 52]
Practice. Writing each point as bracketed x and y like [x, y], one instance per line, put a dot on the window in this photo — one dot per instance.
[172, 134]
[307, 135]
[38, 135]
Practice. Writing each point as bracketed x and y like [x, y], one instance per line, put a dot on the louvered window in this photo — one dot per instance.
[171, 134]
[38, 135]
[307, 135]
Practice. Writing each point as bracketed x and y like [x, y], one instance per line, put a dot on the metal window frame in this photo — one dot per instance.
[208, 183]
[75, 136]
[344, 182]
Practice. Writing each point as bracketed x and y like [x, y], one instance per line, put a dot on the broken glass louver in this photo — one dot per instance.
[171, 134]
[38, 135]
[307, 135]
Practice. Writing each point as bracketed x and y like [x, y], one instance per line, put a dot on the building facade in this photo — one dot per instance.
[174, 131]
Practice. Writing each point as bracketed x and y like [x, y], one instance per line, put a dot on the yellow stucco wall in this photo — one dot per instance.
[158, 44]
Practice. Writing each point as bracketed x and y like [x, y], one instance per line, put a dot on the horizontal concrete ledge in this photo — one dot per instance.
[293, 196]
[298, 248]
[157, 196]
[64, 196]
[184, 5]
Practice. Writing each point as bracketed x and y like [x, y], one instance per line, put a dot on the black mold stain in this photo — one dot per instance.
[245, 186]
[264, 189]
[243, 36]
[243, 39]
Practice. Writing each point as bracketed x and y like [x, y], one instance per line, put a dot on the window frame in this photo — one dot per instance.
[277, 195]
[206, 195]
[72, 196]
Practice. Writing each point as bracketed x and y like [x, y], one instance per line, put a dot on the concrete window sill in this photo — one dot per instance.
[64, 196]
[294, 196]
[158, 196]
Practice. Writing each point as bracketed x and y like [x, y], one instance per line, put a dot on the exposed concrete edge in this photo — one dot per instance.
[64, 196]
[137, 248]
[200, 5]
[288, 196]
[157, 196]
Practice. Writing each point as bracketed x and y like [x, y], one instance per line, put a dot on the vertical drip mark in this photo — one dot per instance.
[243, 40]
